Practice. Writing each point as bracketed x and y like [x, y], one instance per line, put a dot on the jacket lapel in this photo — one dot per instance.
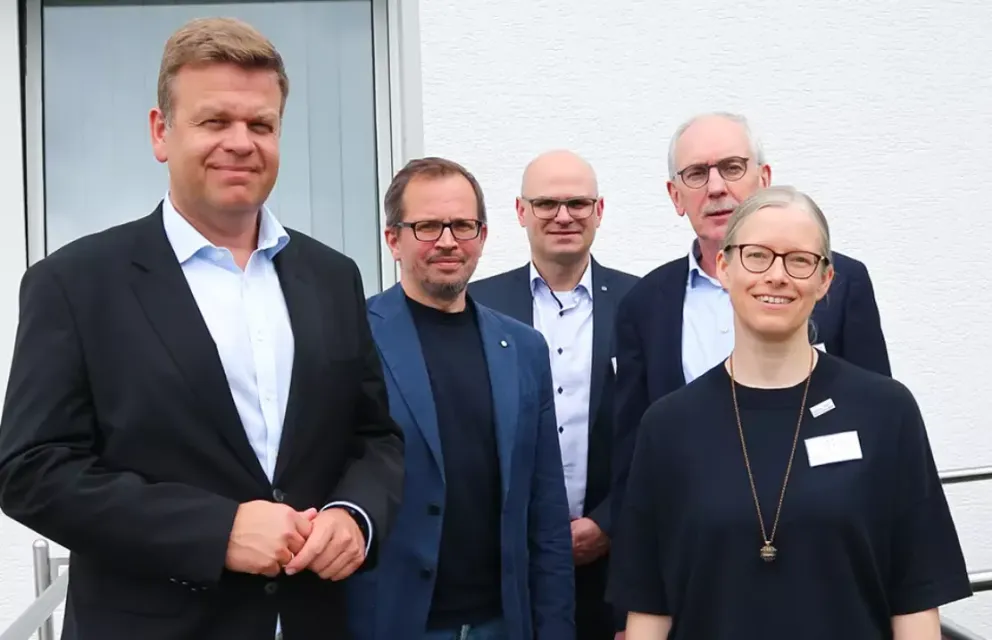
[304, 317]
[519, 299]
[501, 357]
[164, 295]
[403, 356]
[603, 312]
[669, 304]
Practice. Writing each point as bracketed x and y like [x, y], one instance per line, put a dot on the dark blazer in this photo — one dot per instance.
[393, 601]
[511, 293]
[649, 342]
[120, 438]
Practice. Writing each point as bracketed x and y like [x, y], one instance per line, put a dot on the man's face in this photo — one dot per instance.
[722, 142]
[222, 145]
[438, 261]
[560, 208]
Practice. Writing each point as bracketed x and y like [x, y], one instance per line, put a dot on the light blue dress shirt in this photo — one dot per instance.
[565, 319]
[707, 321]
[246, 314]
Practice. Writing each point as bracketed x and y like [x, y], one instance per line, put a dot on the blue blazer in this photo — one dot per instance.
[649, 343]
[393, 600]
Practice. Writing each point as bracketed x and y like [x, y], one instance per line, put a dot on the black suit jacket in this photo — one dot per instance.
[120, 438]
[511, 293]
[649, 342]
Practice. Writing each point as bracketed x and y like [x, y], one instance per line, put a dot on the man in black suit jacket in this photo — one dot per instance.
[677, 322]
[572, 300]
[195, 408]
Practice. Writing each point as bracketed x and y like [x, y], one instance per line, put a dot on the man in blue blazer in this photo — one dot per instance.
[677, 322]
[571, 299]
[481, 547]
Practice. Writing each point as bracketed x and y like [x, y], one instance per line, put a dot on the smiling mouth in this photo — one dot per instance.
[775, 300]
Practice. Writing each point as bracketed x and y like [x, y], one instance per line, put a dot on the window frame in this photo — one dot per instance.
[397, 103]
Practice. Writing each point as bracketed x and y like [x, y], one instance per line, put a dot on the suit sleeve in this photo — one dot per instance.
[552, 578]
[373, 481]
[52, 478]
[863, 341]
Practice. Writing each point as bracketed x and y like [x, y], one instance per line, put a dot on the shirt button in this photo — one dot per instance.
[561, 429]
[278, 495]
[560, 350]
[560, 390]
[271, 587]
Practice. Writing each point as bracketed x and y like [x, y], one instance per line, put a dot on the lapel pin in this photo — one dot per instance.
[502, 343]
[603, 287]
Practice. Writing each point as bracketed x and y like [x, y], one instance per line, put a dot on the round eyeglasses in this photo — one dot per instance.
[731, 169]
[757, 258]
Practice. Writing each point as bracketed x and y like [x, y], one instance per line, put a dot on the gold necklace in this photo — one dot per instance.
[768, 552]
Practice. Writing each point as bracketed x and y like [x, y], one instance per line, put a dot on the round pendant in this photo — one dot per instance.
[768, 552]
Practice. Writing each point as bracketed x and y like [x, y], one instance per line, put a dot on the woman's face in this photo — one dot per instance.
[773, 296]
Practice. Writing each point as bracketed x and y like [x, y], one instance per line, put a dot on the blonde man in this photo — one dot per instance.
[179, 413]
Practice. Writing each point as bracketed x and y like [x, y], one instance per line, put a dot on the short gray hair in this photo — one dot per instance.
[777, 196]
[754, 143]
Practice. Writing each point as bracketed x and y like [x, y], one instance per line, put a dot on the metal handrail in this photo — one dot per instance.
[51, 586]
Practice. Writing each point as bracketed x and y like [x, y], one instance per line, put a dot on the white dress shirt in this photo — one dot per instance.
[565, 319]
[246, 314]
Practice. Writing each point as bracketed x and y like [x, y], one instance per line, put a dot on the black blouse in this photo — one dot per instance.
[865, 531]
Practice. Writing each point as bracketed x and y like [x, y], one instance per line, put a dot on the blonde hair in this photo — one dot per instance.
[777, 196]
[206, 41]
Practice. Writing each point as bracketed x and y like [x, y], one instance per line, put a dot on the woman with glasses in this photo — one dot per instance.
[786, 493]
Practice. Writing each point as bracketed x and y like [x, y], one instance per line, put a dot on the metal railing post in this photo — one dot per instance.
[43, 580]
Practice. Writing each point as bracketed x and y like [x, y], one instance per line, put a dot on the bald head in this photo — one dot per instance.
[556, 170]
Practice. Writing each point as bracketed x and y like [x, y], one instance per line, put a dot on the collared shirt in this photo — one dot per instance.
[246, 315]
[565, 319]
[707, 321]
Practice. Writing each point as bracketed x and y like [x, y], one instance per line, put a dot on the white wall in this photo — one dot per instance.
[882, 111]
[882, 114]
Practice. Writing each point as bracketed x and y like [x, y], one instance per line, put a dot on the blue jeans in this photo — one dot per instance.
[492, 630]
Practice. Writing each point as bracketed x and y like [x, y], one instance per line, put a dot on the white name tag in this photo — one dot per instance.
[837, 447]
[819, 409]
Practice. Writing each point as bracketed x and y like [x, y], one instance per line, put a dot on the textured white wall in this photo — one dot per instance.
[883, 114]
[882, 111]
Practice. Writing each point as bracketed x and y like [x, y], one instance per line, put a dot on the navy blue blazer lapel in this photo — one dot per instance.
[501, 358]
[403, 357]
[519, 296]
[603, 312]
[669, 303]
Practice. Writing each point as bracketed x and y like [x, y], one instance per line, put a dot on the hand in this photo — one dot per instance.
[335, 548]
[265, 536]
[588, 541]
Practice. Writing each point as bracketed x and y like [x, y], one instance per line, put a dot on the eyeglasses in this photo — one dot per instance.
[731, 169]
[758, 259]
[432, 230]
[548, 208]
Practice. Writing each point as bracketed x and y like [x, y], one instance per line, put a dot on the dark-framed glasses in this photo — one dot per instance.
[731, 169]
[548, 208]
[431, 230]
[758, 258]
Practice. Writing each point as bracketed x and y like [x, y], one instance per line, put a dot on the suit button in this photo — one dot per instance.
[434, 510]
[426, 574]
[278, 495]
[271, 587]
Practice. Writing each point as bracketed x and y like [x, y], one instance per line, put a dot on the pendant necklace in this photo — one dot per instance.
[768, 552]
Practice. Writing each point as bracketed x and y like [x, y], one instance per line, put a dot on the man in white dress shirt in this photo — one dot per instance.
[571, 299]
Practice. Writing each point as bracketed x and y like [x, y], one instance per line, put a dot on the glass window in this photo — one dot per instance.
[100, 62]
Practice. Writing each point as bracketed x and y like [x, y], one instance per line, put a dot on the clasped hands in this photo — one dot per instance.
[268, 538]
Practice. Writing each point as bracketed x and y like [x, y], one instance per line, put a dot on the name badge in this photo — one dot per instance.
[819, 409]
[836, 447]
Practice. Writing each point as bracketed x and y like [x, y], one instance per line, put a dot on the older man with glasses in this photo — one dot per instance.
[677, 322]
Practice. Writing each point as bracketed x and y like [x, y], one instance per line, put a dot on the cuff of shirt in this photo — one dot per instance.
[355, 510]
